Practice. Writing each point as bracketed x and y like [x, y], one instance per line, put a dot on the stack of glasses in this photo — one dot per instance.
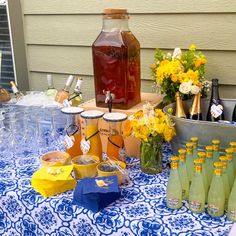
[31, 131]
[204, 178]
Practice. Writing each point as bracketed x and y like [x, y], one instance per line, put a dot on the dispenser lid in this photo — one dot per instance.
[115, 116]
[72, 110]
[92, 114]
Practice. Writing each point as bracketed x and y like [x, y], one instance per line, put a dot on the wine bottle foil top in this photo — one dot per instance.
[215, 82]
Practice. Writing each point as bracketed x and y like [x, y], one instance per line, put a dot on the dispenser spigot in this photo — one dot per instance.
[109, 98]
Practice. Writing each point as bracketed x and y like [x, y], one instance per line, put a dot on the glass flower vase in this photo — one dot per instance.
[151, 155]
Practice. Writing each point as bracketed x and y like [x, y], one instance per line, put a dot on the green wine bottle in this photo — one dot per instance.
[183, 174]
[230, 168]
[233, 146]
[194, 140]
[189, 161]
[209, 163]
[174, 188]
[225, 182]
[216, 148]
[197, 190]
[231, 213]
[216, 195]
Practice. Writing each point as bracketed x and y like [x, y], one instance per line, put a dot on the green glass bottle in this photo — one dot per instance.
[225, 182]
[231, 213]
[209, 163]
[194, 140]
[216, 195]
[183, 174]
[197, 191]
[216, 150]
[174, 188]
[230, 168]
[233, 146]
[201, 158]
[189, 161]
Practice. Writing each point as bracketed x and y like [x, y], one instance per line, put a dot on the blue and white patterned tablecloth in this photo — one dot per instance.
[140, 211]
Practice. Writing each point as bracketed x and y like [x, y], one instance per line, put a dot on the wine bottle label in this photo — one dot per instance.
[85, 146]
[216, 110]
[194, 205]
[173, 202]
[69, 141]
[66, 103]
[212, 209]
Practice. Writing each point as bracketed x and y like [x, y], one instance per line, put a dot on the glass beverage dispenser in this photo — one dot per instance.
[116, 62]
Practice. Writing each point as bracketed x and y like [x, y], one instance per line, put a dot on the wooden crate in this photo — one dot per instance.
[132, 144]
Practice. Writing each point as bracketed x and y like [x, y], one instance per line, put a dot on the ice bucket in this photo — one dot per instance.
[204, 130]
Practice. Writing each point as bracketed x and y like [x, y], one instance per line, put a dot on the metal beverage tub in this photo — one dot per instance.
[204, 130]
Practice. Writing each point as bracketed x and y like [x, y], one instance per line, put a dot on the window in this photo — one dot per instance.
[6, 59]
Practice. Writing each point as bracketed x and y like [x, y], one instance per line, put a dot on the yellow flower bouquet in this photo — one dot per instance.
[153, 127]
[179, 72]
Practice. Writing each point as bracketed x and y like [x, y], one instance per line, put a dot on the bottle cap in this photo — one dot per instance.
[215, 141]
[218, 164]
[232, 144]
[215, 82]
[229, 156]
[174, 158]
[224, 165]
[189, 145]
[201, 160]
[198, 161]
[229, 150]
[209, 148]
[223, 158]
[194, 139]
[182, 151]
[201, 154]
[218, 171]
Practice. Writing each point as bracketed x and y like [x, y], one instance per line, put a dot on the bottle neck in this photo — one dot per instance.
[50, 82]
[215, 93]
[115, 25]
[179, 107]
[196, 106]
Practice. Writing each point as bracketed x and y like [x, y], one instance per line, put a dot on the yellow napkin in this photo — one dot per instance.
[50, 181]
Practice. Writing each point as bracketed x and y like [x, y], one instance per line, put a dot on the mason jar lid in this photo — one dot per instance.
[92, 114]
[72, 110]
[115, 116]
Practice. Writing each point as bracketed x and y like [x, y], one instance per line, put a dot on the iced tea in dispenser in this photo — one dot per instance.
[116, 61]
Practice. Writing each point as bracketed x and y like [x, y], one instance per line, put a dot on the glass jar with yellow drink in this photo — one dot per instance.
[73, 131]
[91, 141]
[115, 144]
